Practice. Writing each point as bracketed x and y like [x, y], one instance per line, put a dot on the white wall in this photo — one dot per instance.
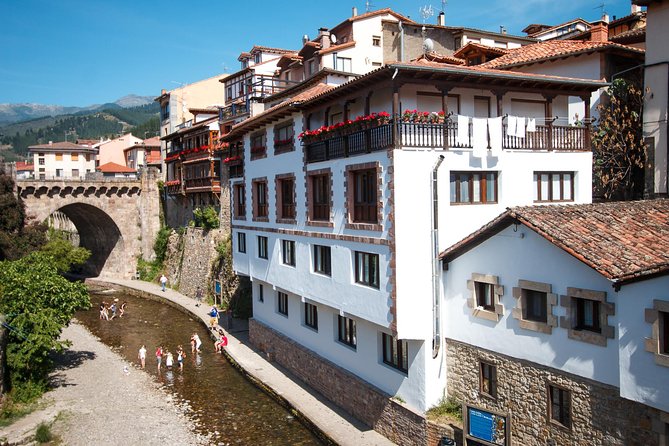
[66, 164]
[641, 379]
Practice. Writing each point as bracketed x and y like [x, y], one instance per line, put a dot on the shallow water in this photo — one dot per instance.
[219, 400]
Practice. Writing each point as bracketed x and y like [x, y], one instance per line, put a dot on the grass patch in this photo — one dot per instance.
[22, 400]
[448, 410]
[43, 433]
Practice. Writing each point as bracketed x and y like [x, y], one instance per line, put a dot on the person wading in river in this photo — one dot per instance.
[142, 355]
[159, 356]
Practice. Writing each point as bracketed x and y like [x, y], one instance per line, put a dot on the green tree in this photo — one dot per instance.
[38, 303]
[618, 149]
[206, 218]
[64, 256]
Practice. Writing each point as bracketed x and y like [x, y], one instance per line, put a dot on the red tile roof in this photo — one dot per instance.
[623, 241]
[553, 49]
[22, 166]
[439, 59]
[114, 168]
[338, 47]
[153, 142]
[64, 145]
[267, 49]
[485, 48]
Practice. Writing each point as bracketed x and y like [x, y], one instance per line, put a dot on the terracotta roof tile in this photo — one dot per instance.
[23, 166]
[268, 49]
[473, 45]
[338, 47]
[64, 145]
[551, 49]
[623, 241]
[154, 141]
[439, 59]
[114, 168]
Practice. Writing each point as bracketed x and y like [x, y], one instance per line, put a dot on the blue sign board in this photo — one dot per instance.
[486, 426]
[217, 286]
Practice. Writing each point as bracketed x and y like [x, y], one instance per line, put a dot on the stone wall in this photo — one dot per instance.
[599, 415]
[189, 260]
[357, 397]
[149, 211]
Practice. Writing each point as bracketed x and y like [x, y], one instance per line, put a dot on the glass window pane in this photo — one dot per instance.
[490, 188]
[556, 187]
[567, 187]
[464, 188]
[476, 188]
[535, 188]
[454, 189]
[544, 187]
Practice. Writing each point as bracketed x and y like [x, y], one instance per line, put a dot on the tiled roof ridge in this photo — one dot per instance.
[577, 19]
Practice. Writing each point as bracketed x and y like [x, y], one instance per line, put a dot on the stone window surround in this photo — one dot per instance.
[310, 195]
[278, 179]
[498, 292]
[549, 415]
[254, 197]
[652, 344]
[235, 187]
[493, 379]
[606, 309]
[349, 194]
[285, 147]
[519, 311]
[260, 154]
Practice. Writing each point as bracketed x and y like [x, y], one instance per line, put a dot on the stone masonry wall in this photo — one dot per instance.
[189, 260]
[599, 415]
[357, 397]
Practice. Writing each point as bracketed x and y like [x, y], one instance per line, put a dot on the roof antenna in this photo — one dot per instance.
[601, 7]
[368, 6]
[426, 12]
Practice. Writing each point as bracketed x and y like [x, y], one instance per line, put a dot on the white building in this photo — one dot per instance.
[337, 234]
[556, 320]
[61, 160]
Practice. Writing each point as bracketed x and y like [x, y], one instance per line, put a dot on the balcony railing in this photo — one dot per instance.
[232, 111]
[209, 183]
[340, 144]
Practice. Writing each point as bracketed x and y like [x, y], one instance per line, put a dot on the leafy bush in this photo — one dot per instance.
[160, 245]
[206, 218]
[63, 254]
[43, 433]
[447, 407]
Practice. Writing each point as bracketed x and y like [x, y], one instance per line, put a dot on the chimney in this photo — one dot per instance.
[305, 39]
[636, 9]
[324, 37]
[599, 32]
[355, 12]
[605, 18]
[441, 19]
[163, 91]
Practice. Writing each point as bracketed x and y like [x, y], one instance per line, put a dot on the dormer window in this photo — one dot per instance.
[245, 63]
[257, 58]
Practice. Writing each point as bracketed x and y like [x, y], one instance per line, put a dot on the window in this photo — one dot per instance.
[261, 293]
[587, 315]
[40, 161]
[240, 200]
[241, 242]
[88, 157]
[286, 197]
[261, 199]
[553, 186]
[320, 197]
[481, 106]
[322, 260]
[347, 331]
[59, 157]
[282, 303]
[343, 64]
[367, 269]
[395, 353]
[283, 136]
[311, 315]
[311, 67]
[488, 379]
[376, 40]
[258, 145]
[74, 157]
[485, 295]
[485, 299]
[257, 57]
[586, 318]
[473, 187]
[262, 247]
[75, 173]
[664, 332]
[288, 252]
[559, 405]
[365, 196]
[534, 307]
[59, 173]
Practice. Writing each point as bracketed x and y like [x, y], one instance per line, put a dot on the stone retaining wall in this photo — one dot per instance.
[357, 397]
[599, 415]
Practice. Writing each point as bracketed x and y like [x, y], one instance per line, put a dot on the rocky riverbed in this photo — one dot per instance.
[99, 398]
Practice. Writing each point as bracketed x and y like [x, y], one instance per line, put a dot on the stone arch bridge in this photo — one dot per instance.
[117, 218]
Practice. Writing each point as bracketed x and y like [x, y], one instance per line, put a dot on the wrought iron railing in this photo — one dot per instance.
[342, 144]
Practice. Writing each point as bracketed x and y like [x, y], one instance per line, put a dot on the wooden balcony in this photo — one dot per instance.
[203, 184]
[174, 187]
[342, 144]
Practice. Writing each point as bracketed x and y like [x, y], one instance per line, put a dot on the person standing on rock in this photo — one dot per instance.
[159, 356]
[198, 297]
[142, 355]
[163, 281]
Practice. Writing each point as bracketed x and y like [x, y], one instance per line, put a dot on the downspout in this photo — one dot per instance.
[436, 308]
[401, 42]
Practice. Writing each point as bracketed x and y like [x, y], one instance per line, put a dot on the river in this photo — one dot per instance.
[219, 400]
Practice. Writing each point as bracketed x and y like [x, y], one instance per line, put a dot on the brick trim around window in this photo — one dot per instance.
[520, 310]
[349, 189]
[259, 150]
[278, 191]
[654, 343]
[237, 206]
[254, 197]
[569, 322]
[310, 198]
[498, 292]
[287, 144]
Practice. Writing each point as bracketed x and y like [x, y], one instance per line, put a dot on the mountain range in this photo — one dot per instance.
[10, 113]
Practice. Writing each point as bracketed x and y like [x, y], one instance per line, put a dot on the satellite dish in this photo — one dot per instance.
[428, 46]
[333, 38]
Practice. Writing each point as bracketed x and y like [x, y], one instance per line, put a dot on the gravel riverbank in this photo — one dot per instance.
[99, 398]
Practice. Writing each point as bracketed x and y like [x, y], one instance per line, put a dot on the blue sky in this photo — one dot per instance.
[82, 52]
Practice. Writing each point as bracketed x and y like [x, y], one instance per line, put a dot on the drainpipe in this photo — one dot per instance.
[401, 42]
[436, 324]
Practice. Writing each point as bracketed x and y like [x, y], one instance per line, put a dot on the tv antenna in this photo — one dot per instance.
[426, 12]
[443, 5]
[601, 7]
[368, 6]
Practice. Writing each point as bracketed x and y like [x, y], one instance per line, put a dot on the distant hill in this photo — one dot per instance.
[108, 122]
[10, 113]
